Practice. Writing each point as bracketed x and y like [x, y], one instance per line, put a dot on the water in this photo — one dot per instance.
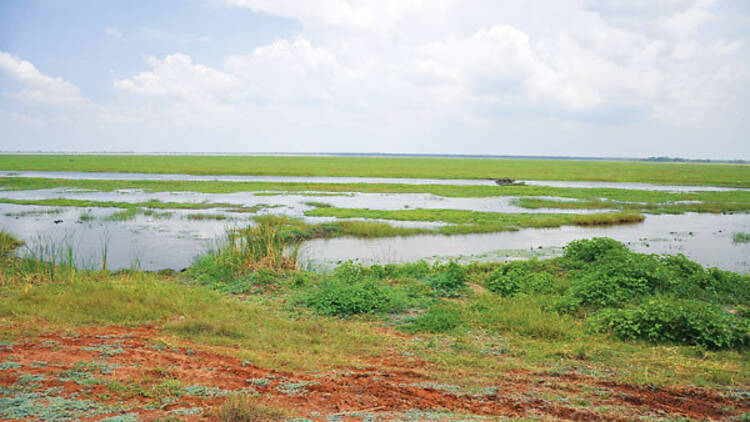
[705, 238]
[295, 205]
[312, 179]
[157, 243]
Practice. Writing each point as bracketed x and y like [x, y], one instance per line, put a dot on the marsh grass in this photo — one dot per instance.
[718, 174]
[131, 213]
[8, 244]
[86, 216]
[232, 264]
[478, 221]
[293, 229]
[741, 237]
[204, 216]
[33, 213]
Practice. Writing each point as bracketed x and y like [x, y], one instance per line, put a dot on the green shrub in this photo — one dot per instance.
[520, 277]
[448, 280]
[582, 252]
[340, 297]
[680, 321]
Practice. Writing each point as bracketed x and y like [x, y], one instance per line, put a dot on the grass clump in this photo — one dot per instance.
[741, 237]
[242, 408]
[232, 265]
[8, 244]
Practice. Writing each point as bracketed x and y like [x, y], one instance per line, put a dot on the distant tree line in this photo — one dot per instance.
[691, 160]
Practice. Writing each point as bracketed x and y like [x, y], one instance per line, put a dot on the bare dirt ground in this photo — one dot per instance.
[104, 372]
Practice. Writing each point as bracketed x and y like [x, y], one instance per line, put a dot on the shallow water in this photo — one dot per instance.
[705, 238]
[157, 243]
[313, 179]
[295, 205]
[148, 242]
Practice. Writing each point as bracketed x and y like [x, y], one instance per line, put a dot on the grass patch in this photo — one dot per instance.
[410, 167]
[130, 213]
[478, 221]
[318, 204]
[741, 237]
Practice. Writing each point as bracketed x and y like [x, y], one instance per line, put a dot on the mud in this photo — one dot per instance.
[135, 371]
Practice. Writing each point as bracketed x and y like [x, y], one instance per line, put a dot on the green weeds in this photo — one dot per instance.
[741, 237]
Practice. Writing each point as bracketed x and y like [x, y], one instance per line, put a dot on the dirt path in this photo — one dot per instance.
[102, 372]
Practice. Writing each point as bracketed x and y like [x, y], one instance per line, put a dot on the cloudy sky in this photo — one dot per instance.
[623, 78]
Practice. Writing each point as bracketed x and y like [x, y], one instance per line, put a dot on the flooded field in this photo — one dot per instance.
[345, 180]
[172, 238]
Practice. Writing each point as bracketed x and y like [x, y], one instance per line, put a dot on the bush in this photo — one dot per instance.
[680, 321]
[339, 297]
[448, 280]
[238, 408]
[520, 277]
[580, 253]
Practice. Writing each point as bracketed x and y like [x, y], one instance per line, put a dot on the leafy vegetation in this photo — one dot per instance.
[741, 237]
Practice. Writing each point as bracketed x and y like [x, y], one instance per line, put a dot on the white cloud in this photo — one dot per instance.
[38, 88]
[434, 70]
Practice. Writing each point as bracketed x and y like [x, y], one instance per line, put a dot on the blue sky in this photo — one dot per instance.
[621, 78]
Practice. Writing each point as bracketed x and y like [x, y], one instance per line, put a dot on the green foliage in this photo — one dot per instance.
[580, 253]
[680, 321]
[741, 237]
[655, 298]
[341, 297]
[520, 277]
[448, 280]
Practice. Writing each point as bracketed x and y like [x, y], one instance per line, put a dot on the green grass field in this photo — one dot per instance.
[733, 175]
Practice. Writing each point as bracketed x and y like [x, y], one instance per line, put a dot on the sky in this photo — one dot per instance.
[593, 78]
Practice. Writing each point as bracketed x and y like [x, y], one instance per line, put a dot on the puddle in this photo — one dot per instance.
[312, 179]
[709, 244]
